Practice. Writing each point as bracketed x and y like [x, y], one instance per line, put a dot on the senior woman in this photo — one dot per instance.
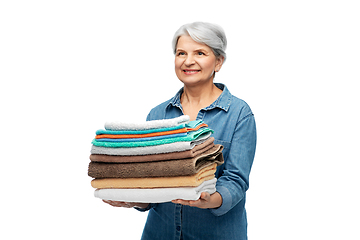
[200, 52]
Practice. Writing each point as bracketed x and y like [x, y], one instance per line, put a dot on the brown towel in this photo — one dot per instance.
[195, 180]
[198, 149]
[170, 168]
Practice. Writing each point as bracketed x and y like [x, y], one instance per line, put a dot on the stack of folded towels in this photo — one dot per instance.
[154, 161]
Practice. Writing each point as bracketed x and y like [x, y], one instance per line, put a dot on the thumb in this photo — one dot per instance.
[205, 196]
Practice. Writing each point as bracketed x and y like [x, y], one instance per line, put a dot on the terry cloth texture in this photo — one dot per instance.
[136, 134]
[155, 161]
[165, 148]
[156, 195]
[165, 123]
[140, 139]
[180, 167]
[181, 130]
[195, 180]
[202, 132]
[198, 149]
[120, 132]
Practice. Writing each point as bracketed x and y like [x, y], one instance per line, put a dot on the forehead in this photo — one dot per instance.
[187, 43]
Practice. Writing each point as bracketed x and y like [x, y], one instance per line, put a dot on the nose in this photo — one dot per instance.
[189, 60]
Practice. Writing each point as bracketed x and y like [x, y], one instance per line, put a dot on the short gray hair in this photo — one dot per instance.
[206, 33]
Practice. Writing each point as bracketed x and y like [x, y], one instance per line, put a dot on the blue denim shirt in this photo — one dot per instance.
[234, 127]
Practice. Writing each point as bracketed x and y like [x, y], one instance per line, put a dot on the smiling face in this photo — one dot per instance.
[195, 63]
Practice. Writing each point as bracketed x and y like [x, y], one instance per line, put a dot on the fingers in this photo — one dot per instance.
[180, 201]
[201, 202]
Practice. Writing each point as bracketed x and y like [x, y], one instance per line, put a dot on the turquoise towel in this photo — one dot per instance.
[194, 123]
[141, 139]
[190, 137]
[191, 124]
[101, 131]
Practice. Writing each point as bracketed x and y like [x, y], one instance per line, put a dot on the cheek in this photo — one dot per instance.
[208, 66]
[178, 68]
[178, 64]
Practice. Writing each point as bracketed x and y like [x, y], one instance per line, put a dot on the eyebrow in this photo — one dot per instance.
[196, 50]
[201, 50]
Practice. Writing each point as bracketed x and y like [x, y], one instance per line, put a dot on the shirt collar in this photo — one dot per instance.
[222, 102]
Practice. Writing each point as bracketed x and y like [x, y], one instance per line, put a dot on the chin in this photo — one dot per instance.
[192, 82]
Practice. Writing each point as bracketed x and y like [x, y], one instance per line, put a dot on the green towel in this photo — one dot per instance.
[190, 137]
[191, 124]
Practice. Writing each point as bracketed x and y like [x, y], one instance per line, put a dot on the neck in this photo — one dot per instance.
[200, 95]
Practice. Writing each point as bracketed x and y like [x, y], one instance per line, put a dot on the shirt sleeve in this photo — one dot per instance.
[234, 181]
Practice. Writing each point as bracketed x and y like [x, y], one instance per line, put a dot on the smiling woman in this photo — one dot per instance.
[199, 50]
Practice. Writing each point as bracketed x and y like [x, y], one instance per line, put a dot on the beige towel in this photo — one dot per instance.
[195, 180]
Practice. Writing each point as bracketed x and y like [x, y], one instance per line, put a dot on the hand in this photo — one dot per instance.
[205, 201]
[126, 204]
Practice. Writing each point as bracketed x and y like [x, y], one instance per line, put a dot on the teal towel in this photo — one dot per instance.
[190, 137]
[101, 131]
[191, 124]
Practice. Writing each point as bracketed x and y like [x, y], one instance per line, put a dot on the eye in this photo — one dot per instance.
[201, 53]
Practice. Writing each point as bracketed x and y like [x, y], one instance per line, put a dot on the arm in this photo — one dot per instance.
[234, 180]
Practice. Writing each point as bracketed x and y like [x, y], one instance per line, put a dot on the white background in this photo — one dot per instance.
[66, 67]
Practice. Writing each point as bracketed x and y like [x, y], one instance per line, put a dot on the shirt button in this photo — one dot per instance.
[178, 228]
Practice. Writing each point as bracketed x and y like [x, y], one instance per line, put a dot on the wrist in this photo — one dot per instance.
[216, 200]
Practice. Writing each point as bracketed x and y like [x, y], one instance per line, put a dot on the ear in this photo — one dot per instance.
[219, 62]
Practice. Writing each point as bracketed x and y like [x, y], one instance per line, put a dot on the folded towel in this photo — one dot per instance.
[140, 139]
[157, 182]
[156, 195]
[198, 149]
[147, 125]
[164, 148]
[193, 124]
[147, 131]
[180, 167]
[202, 132]
[137, 134]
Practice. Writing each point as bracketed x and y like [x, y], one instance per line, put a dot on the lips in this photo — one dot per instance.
[190, 71]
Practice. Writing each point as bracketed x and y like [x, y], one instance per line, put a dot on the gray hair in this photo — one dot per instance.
[206, 33]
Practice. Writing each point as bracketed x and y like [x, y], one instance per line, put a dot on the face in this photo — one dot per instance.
[195, 63]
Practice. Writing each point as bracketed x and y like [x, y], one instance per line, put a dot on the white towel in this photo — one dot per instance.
[164, 148]
[164, 123]
[156, 195]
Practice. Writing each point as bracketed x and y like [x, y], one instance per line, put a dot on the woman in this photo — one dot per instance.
[200, 52]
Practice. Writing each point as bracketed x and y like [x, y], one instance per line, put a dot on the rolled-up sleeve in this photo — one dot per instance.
[234, 181]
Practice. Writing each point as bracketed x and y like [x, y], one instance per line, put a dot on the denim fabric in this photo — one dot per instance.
[234, 127]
